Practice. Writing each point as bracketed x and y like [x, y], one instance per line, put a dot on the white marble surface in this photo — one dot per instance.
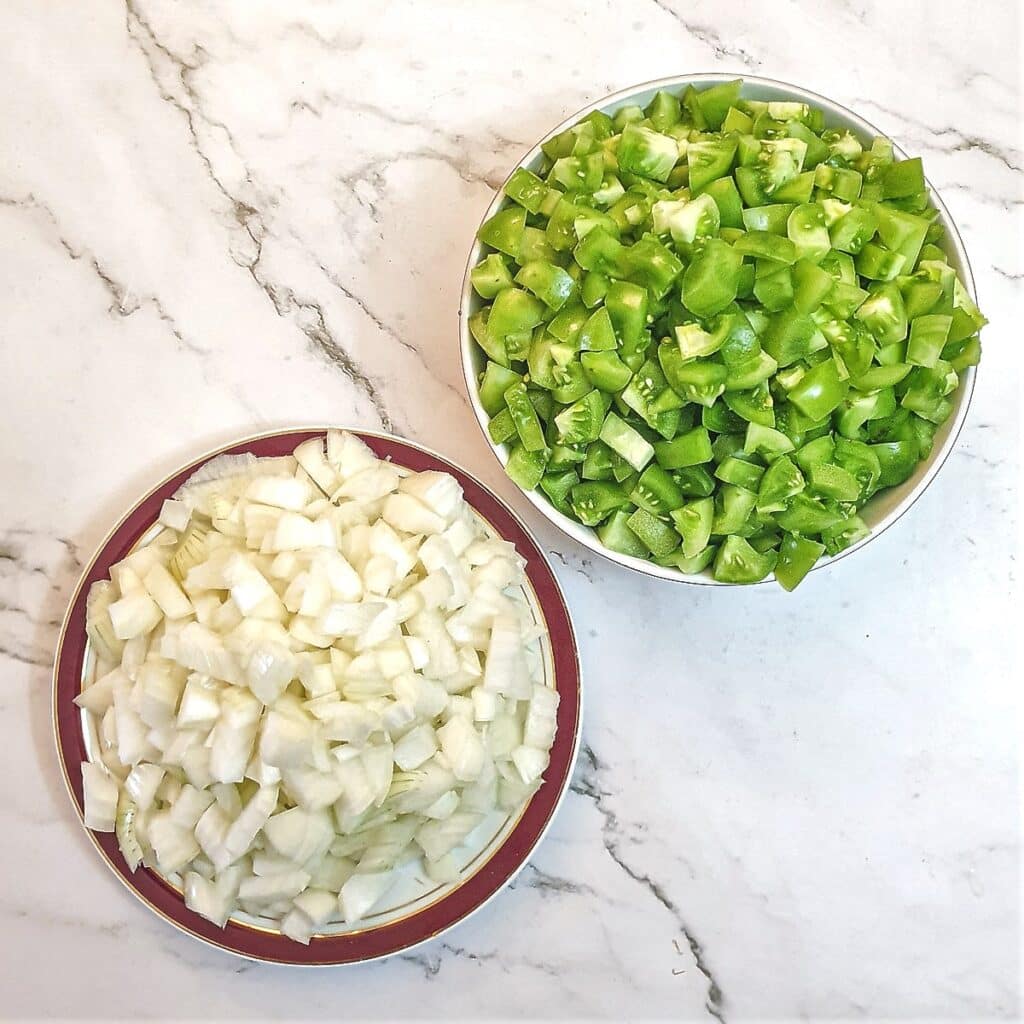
[221, 217]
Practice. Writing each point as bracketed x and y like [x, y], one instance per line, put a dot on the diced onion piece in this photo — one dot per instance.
[530, 763]
[462, 747]
[134, 614]
[361, 893]
[100, 791]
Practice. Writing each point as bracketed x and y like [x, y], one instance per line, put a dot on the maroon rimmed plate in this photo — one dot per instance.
[419, 909]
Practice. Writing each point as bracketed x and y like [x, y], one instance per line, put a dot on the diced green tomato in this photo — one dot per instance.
[525, 188]
[878, 263]
[807, 515]
[854, 230]
[844, 534]
[789, 337]
[709, 160]
[597, 334]
[845, 299]
[690, 449]
[693, 524]
[797, 556]
[656, 491]
[732, 470]
[601, 251]
[557, 487]
[513, 312]
[535, 246]
[877, 377]
[749, 374]
[598, 462]
[664, 110]
[796, 190]
[860, 462]
[490, 276]
[658, 537]
[834, 482]
[737, 562]
[727, 199]
[716, 100]
[502, 428]
[903, 178]
[711, 281]
[492, 346]
[853, 348]
[695, 482]
[841, 182]
[749, 184]
[770, 218]
[627, 306]
[781, 480]
[606, 371]
[593, 288]
[819, 391]
[615, 534]
[646, 152]
[763, 245]
[570, 383]
[884, 314]
[897, 461]
[814, 452]
[526, 468]
[593, 500]
[696, 380]
[694, 341]
[812, 285]
[551, 284]
[504, 231]
[928, 335]
[581, 421]
[494, 382]
[653, 265]
[766, 441]
[961, 354]
[566, 456]
[626, 441]
[525, 418]
[807, 231]
[568, 323]
[773, 285]
[691, 566]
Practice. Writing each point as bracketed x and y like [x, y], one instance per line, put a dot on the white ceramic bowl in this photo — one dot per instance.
[885, 507]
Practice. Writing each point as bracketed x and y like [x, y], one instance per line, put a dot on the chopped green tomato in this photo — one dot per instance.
[592, 501]
[502, 427]
[690, 449]
[656, 491]
[551, 284]
[581, 422]
[526, 189]
[525, 418]
[658, 537]
[623, 439]
[711, 281]
[715, 309]
[526, 468]
[646, 152]
[504, 231]
[797, 556]
[693, 523]
[615, 534]
[738, 562]
[494, 382]
[557, 487]
[490, 276]
[819, 390]
[928, 335]
[781, 481]
[606, 371]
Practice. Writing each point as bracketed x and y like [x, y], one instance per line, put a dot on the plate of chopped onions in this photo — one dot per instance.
[317, 697]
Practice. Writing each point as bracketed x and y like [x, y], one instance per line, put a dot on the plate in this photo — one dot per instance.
[417, 909]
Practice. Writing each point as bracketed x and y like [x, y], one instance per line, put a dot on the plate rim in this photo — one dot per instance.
[62, 668]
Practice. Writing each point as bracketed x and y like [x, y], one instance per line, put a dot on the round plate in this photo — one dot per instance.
[421, 915]
[885, 507]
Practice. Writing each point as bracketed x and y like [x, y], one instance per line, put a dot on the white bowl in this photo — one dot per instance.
[885, 507]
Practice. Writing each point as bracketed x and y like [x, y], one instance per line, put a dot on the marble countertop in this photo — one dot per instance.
[218, 218]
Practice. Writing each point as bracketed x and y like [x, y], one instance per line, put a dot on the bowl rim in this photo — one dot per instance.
[518, 845]
[586, 536]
